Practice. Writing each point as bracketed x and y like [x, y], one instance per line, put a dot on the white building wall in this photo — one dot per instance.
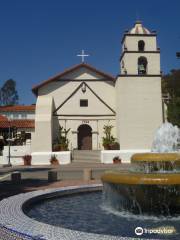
[97, 130]
[131, 62]
[61, 90]
[19, 115]
[131, 43]
[42, 139]
[139, 111]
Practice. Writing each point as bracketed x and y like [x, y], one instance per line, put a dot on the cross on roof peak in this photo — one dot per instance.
[82, 55]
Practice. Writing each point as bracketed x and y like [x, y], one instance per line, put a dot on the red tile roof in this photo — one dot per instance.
[3, 118]
[17, 108]
[23, 123]
[69, 70]
[4, 122]
[18, 123]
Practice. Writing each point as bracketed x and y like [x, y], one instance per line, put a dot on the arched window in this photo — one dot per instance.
[122, 64]
[141, 45]
[142, 65]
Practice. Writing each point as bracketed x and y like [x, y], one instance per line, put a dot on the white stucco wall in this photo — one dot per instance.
[16, 154]
[43, 158]
[71, 115]
[131, 43]
[61, 90]
[42, 138]
[19, 115]
[139, 111]
[131, 62]
[97, 130]
[125, 155]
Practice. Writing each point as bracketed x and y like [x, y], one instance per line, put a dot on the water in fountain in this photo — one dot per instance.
[164, 155]
[166, 138]
[154, 187]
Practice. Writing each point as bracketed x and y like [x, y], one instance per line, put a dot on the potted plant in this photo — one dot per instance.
[62, 142]
[116, 159]
[27, 160]
[109, 142]
[115, 146]
[54, 160]
[56, 147]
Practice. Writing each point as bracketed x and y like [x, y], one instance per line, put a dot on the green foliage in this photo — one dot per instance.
[109, 142]
[62, 141]
[171, 85]
[8, 93]
[174, 111]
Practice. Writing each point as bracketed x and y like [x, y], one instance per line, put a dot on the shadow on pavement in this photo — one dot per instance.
[8, 188]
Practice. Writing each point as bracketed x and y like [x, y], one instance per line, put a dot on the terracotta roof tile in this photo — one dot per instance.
[3, 118]
[17, 108]
[4, 122]
[18, 123]
[23, 123]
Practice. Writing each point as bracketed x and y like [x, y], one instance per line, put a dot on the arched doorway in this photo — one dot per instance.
[84, 137]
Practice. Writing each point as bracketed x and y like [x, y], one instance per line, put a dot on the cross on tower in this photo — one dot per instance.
[82, 55]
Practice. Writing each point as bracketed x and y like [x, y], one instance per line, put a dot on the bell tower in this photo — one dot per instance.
[138, 89]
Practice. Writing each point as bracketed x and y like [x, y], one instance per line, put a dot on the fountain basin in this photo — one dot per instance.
[151, 194]
[117, 177]
[155, 157]
[152, 162]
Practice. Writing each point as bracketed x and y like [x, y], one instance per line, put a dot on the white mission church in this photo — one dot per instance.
[85, 99]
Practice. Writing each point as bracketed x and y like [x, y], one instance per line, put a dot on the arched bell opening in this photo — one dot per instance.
[142, 65]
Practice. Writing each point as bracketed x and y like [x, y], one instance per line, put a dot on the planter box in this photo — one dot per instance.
[17, 152]
[125, 155]
[43, 158]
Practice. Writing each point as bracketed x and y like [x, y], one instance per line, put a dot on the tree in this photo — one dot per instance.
[8, 93]
[171, 85]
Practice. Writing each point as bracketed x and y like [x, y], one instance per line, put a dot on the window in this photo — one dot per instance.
[122, 64]
[15, 116]
[142, 65]
[83, 103]
[23, 116]
[141, 45]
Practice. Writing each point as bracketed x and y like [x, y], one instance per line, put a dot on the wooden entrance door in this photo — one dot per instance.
[85, 137]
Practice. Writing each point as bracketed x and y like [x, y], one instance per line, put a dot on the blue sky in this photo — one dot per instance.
[39, 38]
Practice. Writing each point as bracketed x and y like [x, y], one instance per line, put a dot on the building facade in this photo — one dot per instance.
[16, 120]
[84, 99]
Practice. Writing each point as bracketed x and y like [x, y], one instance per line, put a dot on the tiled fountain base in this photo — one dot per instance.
[14, 224]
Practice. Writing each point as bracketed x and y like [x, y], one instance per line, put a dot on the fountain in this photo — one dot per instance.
[153, 188]
[146, 198]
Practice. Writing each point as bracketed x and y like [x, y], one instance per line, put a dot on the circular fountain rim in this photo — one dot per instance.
[128, 178]
[155, 157]
[13, 217]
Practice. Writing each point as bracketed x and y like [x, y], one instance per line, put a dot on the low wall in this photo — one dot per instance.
[16, 154]
[125, 155]
[43, 158]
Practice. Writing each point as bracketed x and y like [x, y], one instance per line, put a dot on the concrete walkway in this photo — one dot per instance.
[36, 177]
[65, 172]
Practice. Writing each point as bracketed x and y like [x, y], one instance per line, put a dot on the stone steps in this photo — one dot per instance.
[86, 156]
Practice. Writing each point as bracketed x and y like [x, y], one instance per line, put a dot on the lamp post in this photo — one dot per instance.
[9, 143]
